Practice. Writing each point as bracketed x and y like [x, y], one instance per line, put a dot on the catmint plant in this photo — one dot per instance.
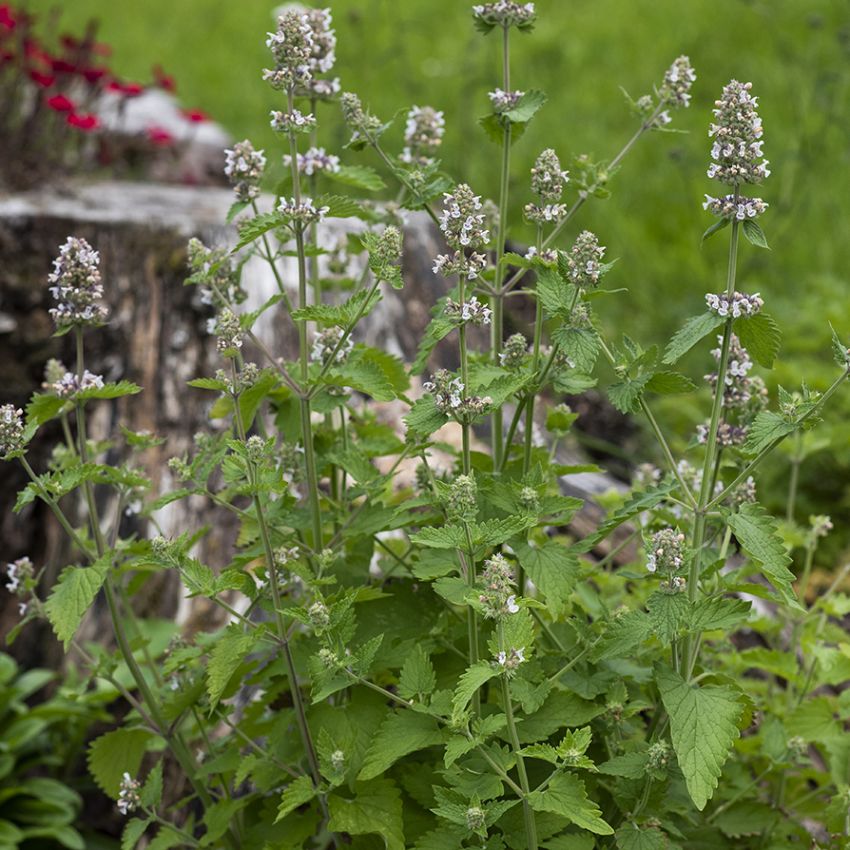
[422, 643]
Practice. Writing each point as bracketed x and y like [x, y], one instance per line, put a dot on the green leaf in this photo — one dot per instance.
[668, 613]
[765, 429]
[715, 228]
[526, 107]
[815, 720]
[402, 732]
[624, 636]
[761, 336]
[624, 395]
[376, 808]
[554, 569]
[362, 375]
[225, 658]
[634, 505]
[566, 796]
[297, 793]
[72, 597]
[151, 793]
[133, 831]
[581, 345]
[119, 390]
[718, 613]
[840, 352]
[703, 727]
[690, 334]
[440, 537]
[555, 294]
[424, 419]
[359, 176]
[469, 683]
[417, 677]
[754, 233]
[758, 534]
[43, 407]
[116, 753]
[630, 836]
[340, 206]
[255, 227]
[341, 315]
[670, 383]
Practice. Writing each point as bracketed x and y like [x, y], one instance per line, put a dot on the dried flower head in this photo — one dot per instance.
[361, 122]
[75, 284]
[244, 168]
[326, 346]
[228, 331]
[462, 504]
[497, 597]
[514, 353]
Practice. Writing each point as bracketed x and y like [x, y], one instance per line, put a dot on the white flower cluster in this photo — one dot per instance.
[243, 167]
[360, 121]
[462, 224]
[326, 342]
[448, 392]
[472, 311]
[11, 429]
[549, 256]
[511, 659]
[728, 434]
[504, 101]
[678, 79]
[76, 285]
[741, 390]
[585, 260]
[546, 213]
[71, 383]
[497, 597]
[736, 152]
[313, 161]
[294, 121]
[739, 305]
[547, 178]
[734, 206]
[665, 551]
[128, 795]
[292, 46]
[423, 135]
[20, 574]
[301, 212]
[505, 13]
[228, 332]
[322, 55]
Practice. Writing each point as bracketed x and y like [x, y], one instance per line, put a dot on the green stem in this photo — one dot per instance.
[498, 297]
[796, 460]
[535, 365]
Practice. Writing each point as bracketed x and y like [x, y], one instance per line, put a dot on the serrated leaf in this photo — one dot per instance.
[44, 407]
[754, 233]
[417, 676]
[469, 683]
[624, 395]
[668, 613]
[340, 206]
[297, 793]
[118, 752]
[554, 571]
[255, 227]
[72, 597]
[359, 176]
[630, 836]
[401, 733]
[765, 429]
[151, 793]
[526, 107]
[629, 765]
[815, 720]
[424, 419]
[438, 328]
[624, 636]
[566, 796]
[581, 345]
[695, 329]
[375, 808]
[670, 383]
[494, 532]
[840, 352]
[761, 336]
[133, 831]
[440, 537]
[718, 613]
[108, 391]
[758, 534]
[703, 727]
[555, 294]
[224, 660]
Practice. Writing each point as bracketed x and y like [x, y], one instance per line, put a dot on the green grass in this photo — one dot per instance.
[797, 53]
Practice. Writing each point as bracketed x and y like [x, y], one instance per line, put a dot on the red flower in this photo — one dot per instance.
[60, 103]
[8, 21]
[85, 122]
[165, 81]
[62, 66]
[159, 136]
[43, 80]
[195, 116]
[93, 74]
[127, 89]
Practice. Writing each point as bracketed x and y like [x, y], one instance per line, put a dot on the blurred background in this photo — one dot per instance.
[583, 54]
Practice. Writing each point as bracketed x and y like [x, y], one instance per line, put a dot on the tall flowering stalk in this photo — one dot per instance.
[737, 160]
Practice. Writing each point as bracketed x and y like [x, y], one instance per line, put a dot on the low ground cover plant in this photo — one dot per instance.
[436, 661]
